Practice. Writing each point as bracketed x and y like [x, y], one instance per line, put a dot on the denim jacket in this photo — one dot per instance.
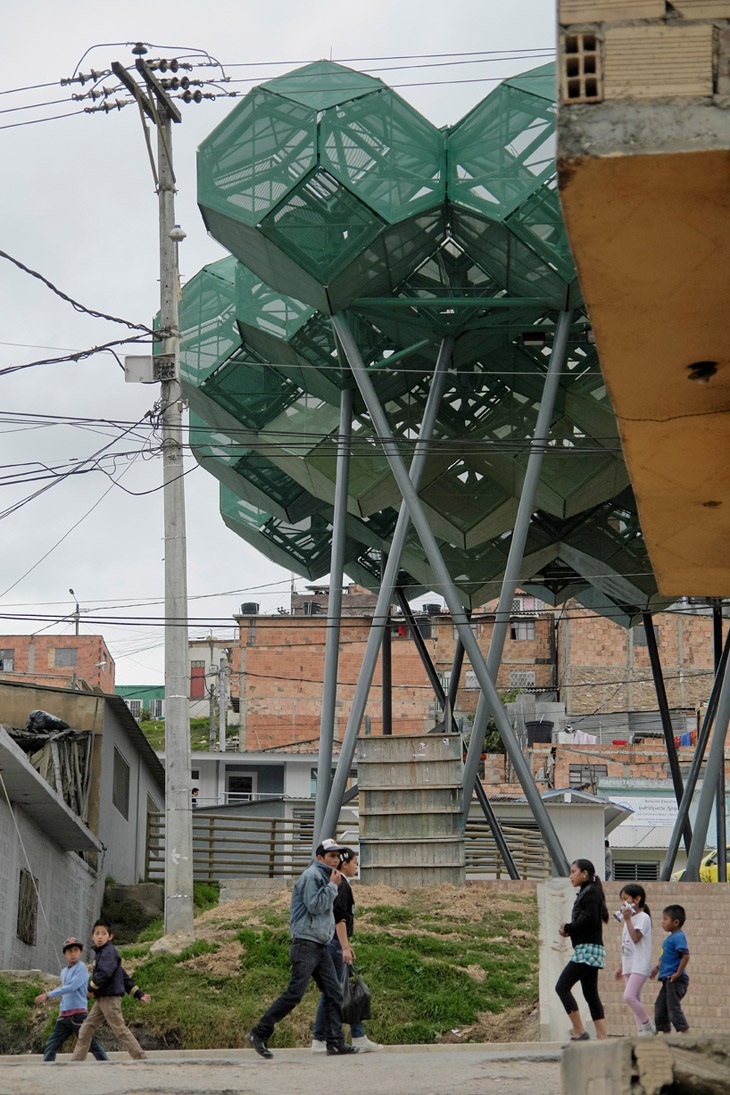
[312, 898]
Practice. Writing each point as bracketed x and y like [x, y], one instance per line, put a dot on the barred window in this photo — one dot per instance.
[27, 908]
[120, 784]
[522, 678]
[636, 872]
[7, 661]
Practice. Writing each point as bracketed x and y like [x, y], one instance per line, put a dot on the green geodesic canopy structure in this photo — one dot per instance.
[332, 194]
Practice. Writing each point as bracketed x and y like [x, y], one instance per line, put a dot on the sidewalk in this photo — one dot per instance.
[408, 1070]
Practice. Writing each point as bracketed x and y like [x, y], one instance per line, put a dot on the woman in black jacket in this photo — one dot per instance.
[585, 930]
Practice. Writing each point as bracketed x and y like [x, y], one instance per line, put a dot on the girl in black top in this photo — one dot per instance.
[585, 930]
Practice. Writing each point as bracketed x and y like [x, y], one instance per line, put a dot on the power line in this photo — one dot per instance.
[74, 303]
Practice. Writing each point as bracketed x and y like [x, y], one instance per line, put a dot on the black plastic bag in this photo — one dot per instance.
[43, 722]
[355, 997]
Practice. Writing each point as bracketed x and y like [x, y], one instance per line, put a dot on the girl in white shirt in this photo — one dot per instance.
[636, 964]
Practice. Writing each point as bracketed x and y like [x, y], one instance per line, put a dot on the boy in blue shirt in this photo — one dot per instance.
[672, 964]
[72, 992]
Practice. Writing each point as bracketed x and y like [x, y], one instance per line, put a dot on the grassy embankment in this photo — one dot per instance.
[448, 964]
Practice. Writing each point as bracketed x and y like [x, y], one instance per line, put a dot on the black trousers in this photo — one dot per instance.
[668, 1006]
[588, 977]
[68, 1026]
[309, 960]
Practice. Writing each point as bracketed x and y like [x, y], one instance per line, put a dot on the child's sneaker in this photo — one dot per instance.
[648, 1028]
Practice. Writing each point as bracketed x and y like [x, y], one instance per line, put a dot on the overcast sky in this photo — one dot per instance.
[79, 207]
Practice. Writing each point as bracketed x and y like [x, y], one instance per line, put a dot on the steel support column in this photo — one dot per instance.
[661, 695]
[715, 760]
[694, 770]
[455, 677]
[433, 677]
[334, 613]
[386, 664]
[511, 576]
[445, 584]
[385, 594]
[720, 813]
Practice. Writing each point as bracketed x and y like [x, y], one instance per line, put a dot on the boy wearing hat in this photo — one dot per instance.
[72, 992]
[312, 926]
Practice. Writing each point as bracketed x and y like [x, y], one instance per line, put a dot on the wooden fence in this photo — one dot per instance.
[256, 847]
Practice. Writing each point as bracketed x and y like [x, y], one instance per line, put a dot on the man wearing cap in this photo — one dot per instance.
[73, 994]
[312, 926]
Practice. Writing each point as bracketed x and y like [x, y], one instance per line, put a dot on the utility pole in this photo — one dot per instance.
[160, 109]
[77, 611]
[222, 700]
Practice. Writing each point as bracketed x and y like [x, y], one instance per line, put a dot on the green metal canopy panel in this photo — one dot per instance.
[208, 321]
[249, 474]
[504, 149]
[334, 193]
[308, 179]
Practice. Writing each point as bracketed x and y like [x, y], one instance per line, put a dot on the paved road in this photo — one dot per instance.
[402, 1070]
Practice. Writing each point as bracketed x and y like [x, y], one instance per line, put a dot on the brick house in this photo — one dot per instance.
[603, 667]
[585, 662]
[278, 665]
[63, 661]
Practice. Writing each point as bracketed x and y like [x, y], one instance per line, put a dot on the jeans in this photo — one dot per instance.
[588, 977]
[668, 1007]
[308, 960]
[356, 1029]
[68, 1026]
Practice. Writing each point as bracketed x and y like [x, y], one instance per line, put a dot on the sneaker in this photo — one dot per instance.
[259, 1044]
[648, 1028]
[365, 1045]
[341, 1050]
[318, 1047]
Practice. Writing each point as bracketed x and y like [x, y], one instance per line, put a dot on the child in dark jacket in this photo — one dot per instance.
[109, 983]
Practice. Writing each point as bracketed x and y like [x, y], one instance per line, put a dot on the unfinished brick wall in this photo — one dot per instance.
[35, 660]
[278, 670]
[603, 667]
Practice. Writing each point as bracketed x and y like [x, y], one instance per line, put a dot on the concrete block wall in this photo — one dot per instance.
[707, 1003]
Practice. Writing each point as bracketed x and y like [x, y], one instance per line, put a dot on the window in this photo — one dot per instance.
[197, 680]
[241, 788]
[65, 656]
[120, 784]
[399, 629]
[27, 908]
[157, 709]
[522, 630]
[635, 872]
[7, 660]
[135, 706]
[522, 678]
[473, 624]
[585, 777]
